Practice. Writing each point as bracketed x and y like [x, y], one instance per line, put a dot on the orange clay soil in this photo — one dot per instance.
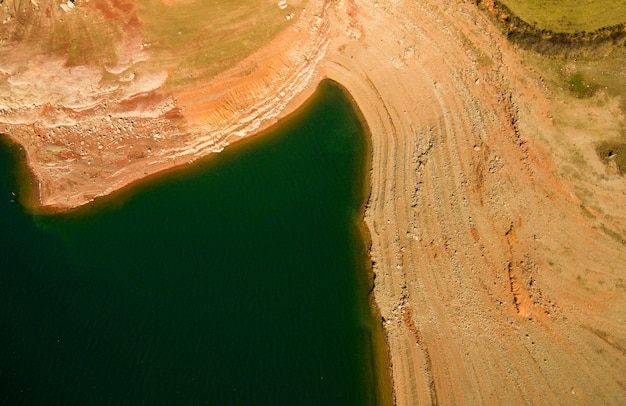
[494, 283]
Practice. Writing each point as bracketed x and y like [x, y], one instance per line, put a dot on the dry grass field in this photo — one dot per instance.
[81, 37]
[589, 83]
[569, 16]
[201, 38]
[192, 39]
[589, 86]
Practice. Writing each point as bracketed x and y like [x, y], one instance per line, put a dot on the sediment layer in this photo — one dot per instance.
[493, 283]
[478, 244]
[89, 132]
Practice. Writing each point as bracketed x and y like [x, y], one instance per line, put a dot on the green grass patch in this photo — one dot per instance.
[569, 16]
[604, 73]
[580, 87]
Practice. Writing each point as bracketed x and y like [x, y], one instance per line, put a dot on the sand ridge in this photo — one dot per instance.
[493, 284]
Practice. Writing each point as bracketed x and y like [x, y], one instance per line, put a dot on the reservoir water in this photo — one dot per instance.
[243, 279]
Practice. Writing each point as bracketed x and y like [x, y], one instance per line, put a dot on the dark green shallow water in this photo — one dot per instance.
[240, 281]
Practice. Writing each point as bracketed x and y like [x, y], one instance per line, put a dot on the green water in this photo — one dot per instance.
[242, 280]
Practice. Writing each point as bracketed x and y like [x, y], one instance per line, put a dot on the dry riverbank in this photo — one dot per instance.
[494, 284]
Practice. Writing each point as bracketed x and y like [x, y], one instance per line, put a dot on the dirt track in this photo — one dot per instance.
[494, 285]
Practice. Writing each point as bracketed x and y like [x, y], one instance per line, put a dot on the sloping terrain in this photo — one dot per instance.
[495, 282]
[495, 286]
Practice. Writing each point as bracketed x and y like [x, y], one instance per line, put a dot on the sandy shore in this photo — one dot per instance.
[494, 284]
[478, 244]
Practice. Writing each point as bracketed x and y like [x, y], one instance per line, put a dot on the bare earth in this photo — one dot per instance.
[495, 284]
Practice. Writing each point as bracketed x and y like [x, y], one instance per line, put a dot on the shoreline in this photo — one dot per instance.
[228, 198]
[181, 128]
[381, 355]
[380, 348]
[381, 367]
[477, 242]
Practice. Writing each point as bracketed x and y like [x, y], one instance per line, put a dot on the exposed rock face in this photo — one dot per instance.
[95, 127]
[493, 284]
